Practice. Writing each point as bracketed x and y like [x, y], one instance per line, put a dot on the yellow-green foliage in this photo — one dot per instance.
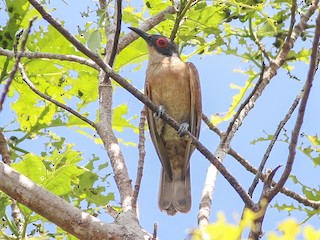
[289, 229]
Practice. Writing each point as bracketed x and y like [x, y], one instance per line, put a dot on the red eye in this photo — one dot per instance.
[162, 42]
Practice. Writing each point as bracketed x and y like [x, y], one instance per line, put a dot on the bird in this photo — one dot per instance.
[174, 86]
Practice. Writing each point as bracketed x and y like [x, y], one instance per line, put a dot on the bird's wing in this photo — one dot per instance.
[156, 138]
[196, 105]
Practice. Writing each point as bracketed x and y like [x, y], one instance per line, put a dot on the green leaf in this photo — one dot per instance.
[155, 6]
[311, 193]
[94, 41]
[285, 207]
[59, 181]
[63, 170]
[302, 55]
[16, 10]
[4, 202]
[96, 197]
[87, 179]
[32, 167]
[313, 151]
[135, 53]
[119, 122]
[130, 15]
[262, 139]
[92, 195]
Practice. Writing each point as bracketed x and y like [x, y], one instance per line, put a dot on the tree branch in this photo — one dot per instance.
[300, 199]
[256, 40]
[15, 211]
[292, 19]
[301, 112]
[256, 228]
[111, 211]
[4, 151]
[6, 158]
[223, 148]
[243, 110]
[104, 126]
[183, 8]
[114, 44]
[16, 216]
[155, 232]
[211, 126]
[70, 218]
[61, 57]
[273, 141]
[297, 30]
[211, 176]
[142, 153]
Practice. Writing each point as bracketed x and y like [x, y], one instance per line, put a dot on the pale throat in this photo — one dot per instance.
[158, 58]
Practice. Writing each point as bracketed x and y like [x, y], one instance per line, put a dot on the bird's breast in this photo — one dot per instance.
[168, 84]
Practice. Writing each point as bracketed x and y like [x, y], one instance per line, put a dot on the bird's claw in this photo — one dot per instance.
[183, 129]
[159, 112]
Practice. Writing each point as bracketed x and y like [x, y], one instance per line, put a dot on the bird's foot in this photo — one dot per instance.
[159, 112]
[183, 129]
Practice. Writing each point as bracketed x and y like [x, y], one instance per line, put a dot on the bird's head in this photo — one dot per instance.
[161, 44]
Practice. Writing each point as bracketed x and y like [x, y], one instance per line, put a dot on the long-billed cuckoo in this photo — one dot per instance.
[175, 87]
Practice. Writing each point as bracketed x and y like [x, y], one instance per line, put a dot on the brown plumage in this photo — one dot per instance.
[175, 85]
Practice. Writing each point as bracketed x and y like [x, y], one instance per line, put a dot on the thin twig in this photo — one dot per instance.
[273, 141]
[142, 153]
[296, 32]
[245, 163]
[103, 5]
[118, 17]
[254, 37]
[180, 14]
[155, 231]
[111, 211]
[271, 71]
[300, 199]
[211, 175]
[4, 151]
[292, 20]
[243, 111]
[15, 66]
[18, 36]
[17, 216]
[301, 112]
[50, 99]
[256, 228]
[61, 57]
[211, 126]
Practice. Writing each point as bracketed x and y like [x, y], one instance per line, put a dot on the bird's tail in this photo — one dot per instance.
[175, 195]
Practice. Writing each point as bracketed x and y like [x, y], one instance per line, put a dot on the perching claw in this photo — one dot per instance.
[159, 112]
[183, 129]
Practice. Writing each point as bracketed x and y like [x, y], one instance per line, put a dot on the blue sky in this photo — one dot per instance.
[216, 74]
